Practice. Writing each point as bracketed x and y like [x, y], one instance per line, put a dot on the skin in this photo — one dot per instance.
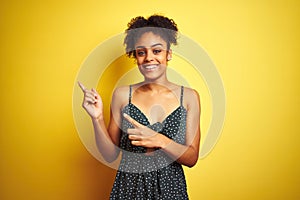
[157, 98]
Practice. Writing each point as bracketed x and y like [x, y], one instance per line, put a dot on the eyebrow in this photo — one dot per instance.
[154, 45]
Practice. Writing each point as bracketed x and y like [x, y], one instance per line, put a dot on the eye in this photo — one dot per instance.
[156, 51]
[141, 52]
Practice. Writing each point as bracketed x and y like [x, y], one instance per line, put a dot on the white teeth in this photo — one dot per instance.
[150, 66]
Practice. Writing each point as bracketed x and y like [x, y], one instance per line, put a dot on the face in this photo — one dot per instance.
[152, 56]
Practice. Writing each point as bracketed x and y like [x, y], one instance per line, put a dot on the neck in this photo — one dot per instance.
[159, 81]
[156, 86]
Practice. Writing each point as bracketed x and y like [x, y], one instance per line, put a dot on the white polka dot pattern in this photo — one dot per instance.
[156, 176]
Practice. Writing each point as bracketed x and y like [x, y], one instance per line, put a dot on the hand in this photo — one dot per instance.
[143, 136]
[92, 102]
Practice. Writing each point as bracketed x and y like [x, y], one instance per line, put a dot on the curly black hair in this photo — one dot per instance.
[159, 25]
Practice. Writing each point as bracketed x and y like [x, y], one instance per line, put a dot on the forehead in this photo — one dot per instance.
[150, 39]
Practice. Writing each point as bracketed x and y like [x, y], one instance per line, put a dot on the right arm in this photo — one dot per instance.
[107, 139]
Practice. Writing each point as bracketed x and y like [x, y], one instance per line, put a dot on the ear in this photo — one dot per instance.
[169, 55]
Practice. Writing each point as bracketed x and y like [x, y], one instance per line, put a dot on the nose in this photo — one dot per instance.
[149, 56]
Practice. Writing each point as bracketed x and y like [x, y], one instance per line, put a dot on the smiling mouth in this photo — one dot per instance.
[150, 67]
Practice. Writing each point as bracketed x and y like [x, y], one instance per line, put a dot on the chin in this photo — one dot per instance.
[152, 78]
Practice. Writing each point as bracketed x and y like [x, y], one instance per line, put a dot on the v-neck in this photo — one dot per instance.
[147, 119]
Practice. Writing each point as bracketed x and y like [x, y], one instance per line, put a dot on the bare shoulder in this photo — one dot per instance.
[121, 90]
[191, 97]
[120, 96]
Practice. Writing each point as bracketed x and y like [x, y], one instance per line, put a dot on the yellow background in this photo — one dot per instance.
[254, 45]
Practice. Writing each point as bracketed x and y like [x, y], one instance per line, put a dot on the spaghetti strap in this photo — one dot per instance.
[181, 95]
[130, 89]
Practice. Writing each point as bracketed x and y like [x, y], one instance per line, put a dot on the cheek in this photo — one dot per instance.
[163, 59]
[139, 60]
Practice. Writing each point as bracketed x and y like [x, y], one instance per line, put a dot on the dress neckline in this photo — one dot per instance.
[147, 119]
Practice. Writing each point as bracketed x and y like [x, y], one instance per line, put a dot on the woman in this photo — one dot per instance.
[154, 123]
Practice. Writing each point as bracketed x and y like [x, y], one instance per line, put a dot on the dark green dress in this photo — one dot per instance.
[156, 176]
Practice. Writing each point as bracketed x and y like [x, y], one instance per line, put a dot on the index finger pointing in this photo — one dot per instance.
[132, 121]
[81, 86]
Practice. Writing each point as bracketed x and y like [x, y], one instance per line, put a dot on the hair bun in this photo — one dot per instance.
[162, 22]
[137, 22]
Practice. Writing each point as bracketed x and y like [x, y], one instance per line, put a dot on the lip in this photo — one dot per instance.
[150, 67]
